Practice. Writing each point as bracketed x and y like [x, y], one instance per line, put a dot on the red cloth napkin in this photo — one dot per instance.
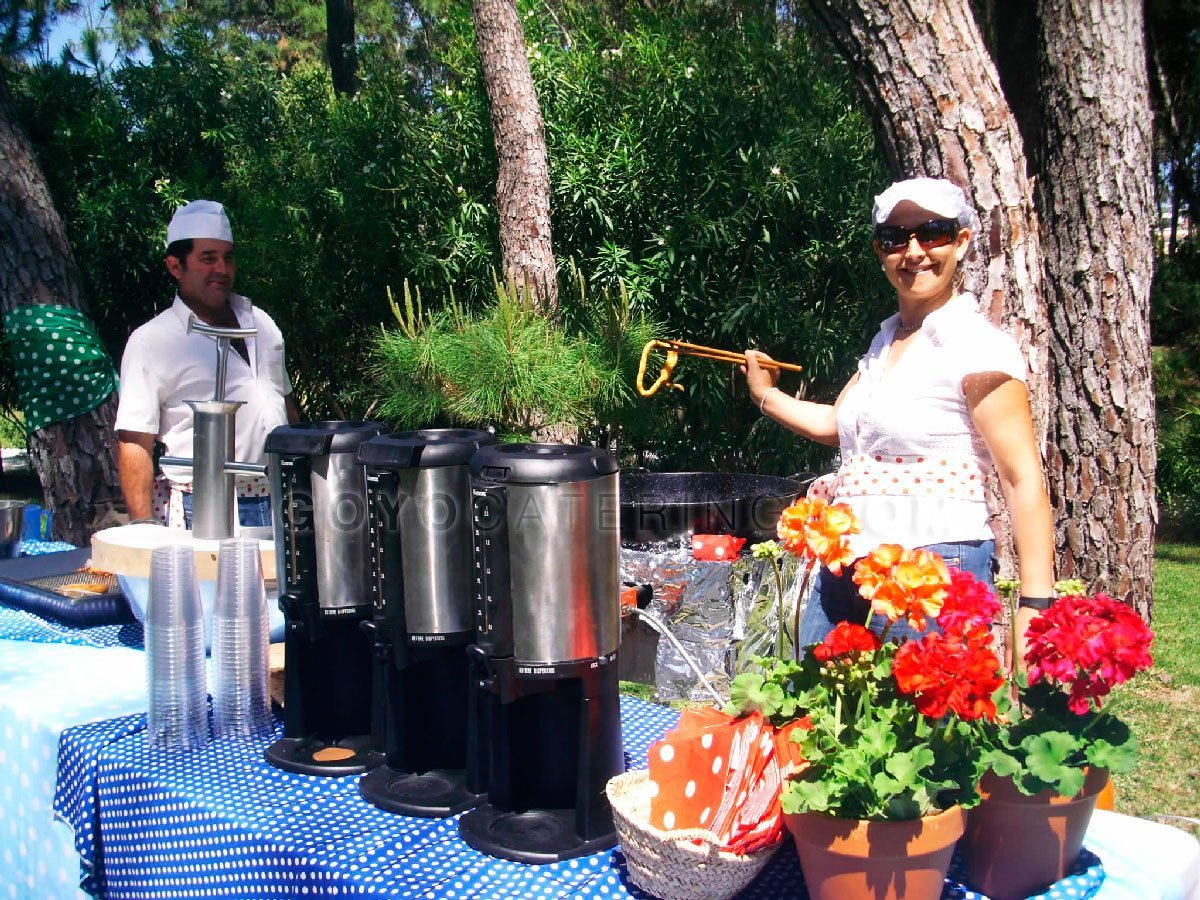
[716, 547]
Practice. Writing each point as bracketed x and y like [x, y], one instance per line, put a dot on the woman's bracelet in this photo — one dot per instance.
[763, 402]
[1039, 603]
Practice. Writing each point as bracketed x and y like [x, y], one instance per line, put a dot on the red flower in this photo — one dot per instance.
[845, 639]
[1089, 644]
[968, 603]
[946, 673]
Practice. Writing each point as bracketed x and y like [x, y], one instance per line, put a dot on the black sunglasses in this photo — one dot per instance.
[937, 233]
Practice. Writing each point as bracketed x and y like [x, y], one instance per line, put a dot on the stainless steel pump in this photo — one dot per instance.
[213, 465]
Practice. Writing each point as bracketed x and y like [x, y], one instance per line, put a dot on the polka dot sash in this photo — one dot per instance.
[62, 367]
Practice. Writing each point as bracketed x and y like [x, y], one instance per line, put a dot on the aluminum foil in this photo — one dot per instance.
[722, 613]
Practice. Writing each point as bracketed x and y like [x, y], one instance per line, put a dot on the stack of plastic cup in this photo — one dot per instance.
[240, 643]
[177, 718]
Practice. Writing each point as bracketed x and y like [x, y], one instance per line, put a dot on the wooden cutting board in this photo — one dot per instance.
[126, 550]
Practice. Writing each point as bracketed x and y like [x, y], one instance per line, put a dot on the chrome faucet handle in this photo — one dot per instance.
[222, 337]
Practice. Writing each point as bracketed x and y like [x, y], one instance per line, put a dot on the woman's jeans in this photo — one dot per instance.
[835, 598]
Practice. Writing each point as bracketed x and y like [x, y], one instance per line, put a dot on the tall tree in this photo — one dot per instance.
[523, 174]
[339, 45]
[75, 459]
[1096, 202]
[937, 99]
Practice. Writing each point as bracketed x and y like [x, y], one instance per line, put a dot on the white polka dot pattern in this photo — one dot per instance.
[222, 823]
[44, 689]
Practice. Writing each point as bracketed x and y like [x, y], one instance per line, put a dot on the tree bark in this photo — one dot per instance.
[75, 459]
[339, 45]
[1097, 207]
[935, 98]
[523, 175]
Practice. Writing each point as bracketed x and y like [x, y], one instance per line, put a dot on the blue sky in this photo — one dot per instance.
[68, 28]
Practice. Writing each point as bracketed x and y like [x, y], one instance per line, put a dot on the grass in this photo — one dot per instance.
[1163, 705]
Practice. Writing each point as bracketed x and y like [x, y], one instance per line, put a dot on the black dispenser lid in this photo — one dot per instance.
[321, 438]
[426, 448]
[541, 463]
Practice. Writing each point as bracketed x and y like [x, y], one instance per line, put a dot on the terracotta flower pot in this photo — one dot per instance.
[1017, 845]
[849, 859]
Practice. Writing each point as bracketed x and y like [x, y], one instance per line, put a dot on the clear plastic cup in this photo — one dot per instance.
[240, 643]
[177, 711]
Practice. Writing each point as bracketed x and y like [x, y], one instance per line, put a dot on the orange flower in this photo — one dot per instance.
[908, 584]
[818, 529]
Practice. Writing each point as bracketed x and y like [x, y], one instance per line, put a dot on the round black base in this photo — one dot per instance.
[536, 836]
[297, 755]
[429, 795]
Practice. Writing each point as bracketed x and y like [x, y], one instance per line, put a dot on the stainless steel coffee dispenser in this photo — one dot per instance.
[419, 493]
[319, 501]
[547, 610]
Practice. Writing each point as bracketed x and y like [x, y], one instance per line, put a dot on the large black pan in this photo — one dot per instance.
[658, 506]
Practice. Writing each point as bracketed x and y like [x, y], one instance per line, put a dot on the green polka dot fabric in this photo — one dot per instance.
[61, 366]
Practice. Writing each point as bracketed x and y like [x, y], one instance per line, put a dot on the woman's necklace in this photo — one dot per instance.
[903, 331]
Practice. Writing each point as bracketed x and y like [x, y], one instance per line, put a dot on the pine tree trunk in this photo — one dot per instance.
[935, 98]
[1097, 207]
[339, 45]
[523, 176]
[75, 460]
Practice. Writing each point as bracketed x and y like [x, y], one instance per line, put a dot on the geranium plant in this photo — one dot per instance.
[1078, 650]
[888, 729]
[816, 532]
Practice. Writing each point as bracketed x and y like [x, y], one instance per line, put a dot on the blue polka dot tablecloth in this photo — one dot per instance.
[220, 822]
[20, 625]
[46, 689]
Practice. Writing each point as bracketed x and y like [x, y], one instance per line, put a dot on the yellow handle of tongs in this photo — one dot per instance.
[674, 349]
[664, 377]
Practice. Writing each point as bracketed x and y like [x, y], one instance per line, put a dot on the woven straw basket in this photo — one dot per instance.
[668, 864]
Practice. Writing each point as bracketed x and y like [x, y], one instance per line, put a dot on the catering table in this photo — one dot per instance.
[220, 822]
[52, 678]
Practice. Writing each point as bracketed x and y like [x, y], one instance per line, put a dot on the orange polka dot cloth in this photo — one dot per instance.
[716, 547]
[723, 775]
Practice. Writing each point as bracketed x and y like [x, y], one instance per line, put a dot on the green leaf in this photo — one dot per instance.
[750, 692]
[1114, 757]
[809, 796]
[1046, 758]
[907, 766]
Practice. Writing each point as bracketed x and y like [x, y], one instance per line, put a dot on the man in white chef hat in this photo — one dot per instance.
[164, 366]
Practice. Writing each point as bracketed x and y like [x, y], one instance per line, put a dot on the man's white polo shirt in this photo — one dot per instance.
[164, 366]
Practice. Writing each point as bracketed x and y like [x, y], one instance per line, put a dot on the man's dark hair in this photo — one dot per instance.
[180, 250]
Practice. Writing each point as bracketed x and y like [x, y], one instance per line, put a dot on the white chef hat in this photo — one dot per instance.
[934, 194]
[199, 219]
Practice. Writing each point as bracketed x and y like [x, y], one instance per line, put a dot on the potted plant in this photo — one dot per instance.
[1052, 751]
[891, 733]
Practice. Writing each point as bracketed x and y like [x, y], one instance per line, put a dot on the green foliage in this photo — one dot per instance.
[1050, 747]
[870, 754]
[12, 429]
[1175, 325]
[509, 365]
[705, 159]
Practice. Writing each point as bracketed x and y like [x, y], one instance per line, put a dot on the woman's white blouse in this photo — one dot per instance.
[914, 469]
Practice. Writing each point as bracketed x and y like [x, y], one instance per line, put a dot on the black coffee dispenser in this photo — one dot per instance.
[319, 502]
[419, 493]
[548, 625]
